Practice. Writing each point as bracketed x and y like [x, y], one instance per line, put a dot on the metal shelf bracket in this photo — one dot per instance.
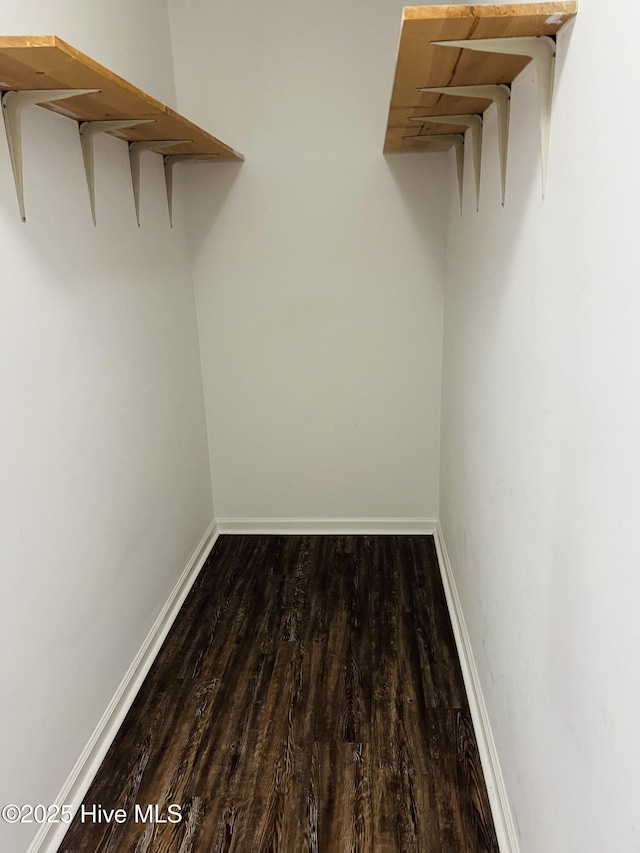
[500, 94]
[474, 123]
[88, 131]
[169, 161]
[13, 102]
[452, 139]
[135, 150]
[542, 49]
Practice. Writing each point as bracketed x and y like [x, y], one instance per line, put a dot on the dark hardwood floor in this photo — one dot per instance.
[308, 698]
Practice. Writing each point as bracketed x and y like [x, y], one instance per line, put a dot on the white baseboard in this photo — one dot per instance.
[314, 526]
[502, 817]
[50, 836]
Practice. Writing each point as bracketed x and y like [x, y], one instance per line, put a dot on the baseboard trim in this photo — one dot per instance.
[314, 526]
[50, 836]
[72, 793]
[500, 808]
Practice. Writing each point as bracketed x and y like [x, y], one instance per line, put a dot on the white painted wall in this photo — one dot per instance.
[318, 264]
[540, 480]
[104, 483]
[318, 267]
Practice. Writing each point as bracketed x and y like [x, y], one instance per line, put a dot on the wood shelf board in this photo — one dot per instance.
[47, 62]
[413, 147]
[421, 64]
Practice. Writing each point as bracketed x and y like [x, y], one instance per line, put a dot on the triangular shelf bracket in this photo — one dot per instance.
[500, 94]
[451, 139]
[135, 150]
[13, 102]
[169, 161]
[88, 132]
[542, 49]
[472, 122]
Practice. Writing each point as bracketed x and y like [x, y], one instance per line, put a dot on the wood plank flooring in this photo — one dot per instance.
[308, 698]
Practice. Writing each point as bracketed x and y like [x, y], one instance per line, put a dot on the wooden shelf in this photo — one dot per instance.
[420, 64]
[47, 62]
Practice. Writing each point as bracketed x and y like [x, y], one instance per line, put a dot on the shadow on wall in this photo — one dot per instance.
[206, 188]
[489, 250]
[418, 178]
[59, 238]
